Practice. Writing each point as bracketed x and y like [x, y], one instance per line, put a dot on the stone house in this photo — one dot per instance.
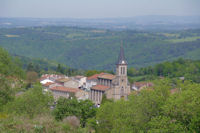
[71, 83]
[61, 91]
[81, 80]
[92, 80]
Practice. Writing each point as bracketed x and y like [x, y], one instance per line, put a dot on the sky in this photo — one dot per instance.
[97, 8]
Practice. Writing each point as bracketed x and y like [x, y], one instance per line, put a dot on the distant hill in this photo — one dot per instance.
[91, 48]
[149, 22]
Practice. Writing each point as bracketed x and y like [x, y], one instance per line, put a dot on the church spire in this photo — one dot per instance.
[121, 58]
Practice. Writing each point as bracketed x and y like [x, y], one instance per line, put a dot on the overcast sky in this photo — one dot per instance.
[97, 8]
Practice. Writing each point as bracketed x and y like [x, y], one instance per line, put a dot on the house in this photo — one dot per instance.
[62, 81]
[71, 83]
[81, 80]
[49, 85]
[141, 85]
[61, 91]
[113, 86]
[44, 81]
[92, 80]
[52, 77]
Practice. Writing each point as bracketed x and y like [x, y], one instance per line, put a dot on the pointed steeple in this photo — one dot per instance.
[121, 58]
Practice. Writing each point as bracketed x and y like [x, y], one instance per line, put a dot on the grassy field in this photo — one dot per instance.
[186, 39]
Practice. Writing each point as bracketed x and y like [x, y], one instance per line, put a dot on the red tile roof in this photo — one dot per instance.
[48, 84]
[95, 76]
[107, 76]
[100, 87]
[65, 89]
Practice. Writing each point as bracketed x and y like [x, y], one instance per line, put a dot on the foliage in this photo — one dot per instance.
[30, 103]
[155, 110]
[31, 76]
[39, 124]
[10, 66]
[6, 93]
[84, 48]
[188, 69]
[165, 125]
[73, 107]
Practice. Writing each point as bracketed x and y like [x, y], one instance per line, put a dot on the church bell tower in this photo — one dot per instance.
[123, 88]
[121, 65]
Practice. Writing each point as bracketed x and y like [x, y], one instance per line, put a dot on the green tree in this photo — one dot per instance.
[69, 107]
[6, 93]
[32, 102]
[165, 125]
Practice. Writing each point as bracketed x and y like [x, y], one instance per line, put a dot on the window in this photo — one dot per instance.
[122, 91]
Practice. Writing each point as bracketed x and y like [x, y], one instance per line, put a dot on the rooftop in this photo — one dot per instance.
[121, 58]
[48, 84]
[100, 87]
[107, 76]
[95, 76]
[62, 80]
[65, 89]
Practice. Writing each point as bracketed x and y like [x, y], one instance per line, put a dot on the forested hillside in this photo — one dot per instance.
[171, 105]
[185, 69]
[87, 48]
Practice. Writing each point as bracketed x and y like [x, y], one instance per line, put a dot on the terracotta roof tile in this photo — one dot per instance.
[95, 76]
[107, 76]
[65, 89]
[48, 84]
[100, 87]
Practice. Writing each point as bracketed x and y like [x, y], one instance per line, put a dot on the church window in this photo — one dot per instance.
[122, 91]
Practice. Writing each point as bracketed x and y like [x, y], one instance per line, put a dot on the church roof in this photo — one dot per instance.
[121, 58]
[107, 76]
[100, 87]
[95, 76]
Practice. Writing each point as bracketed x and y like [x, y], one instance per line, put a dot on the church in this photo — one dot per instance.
[113, 86]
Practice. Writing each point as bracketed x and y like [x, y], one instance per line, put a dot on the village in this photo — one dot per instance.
[81, 87]
[95, 86]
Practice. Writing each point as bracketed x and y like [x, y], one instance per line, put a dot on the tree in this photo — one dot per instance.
[32, 102]
[30, 67]
[60, 69]
[185, 107]
[87, 111]
[32, 77]
[72, 107]
[10, 66]
[165, 125]
[6, 93]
